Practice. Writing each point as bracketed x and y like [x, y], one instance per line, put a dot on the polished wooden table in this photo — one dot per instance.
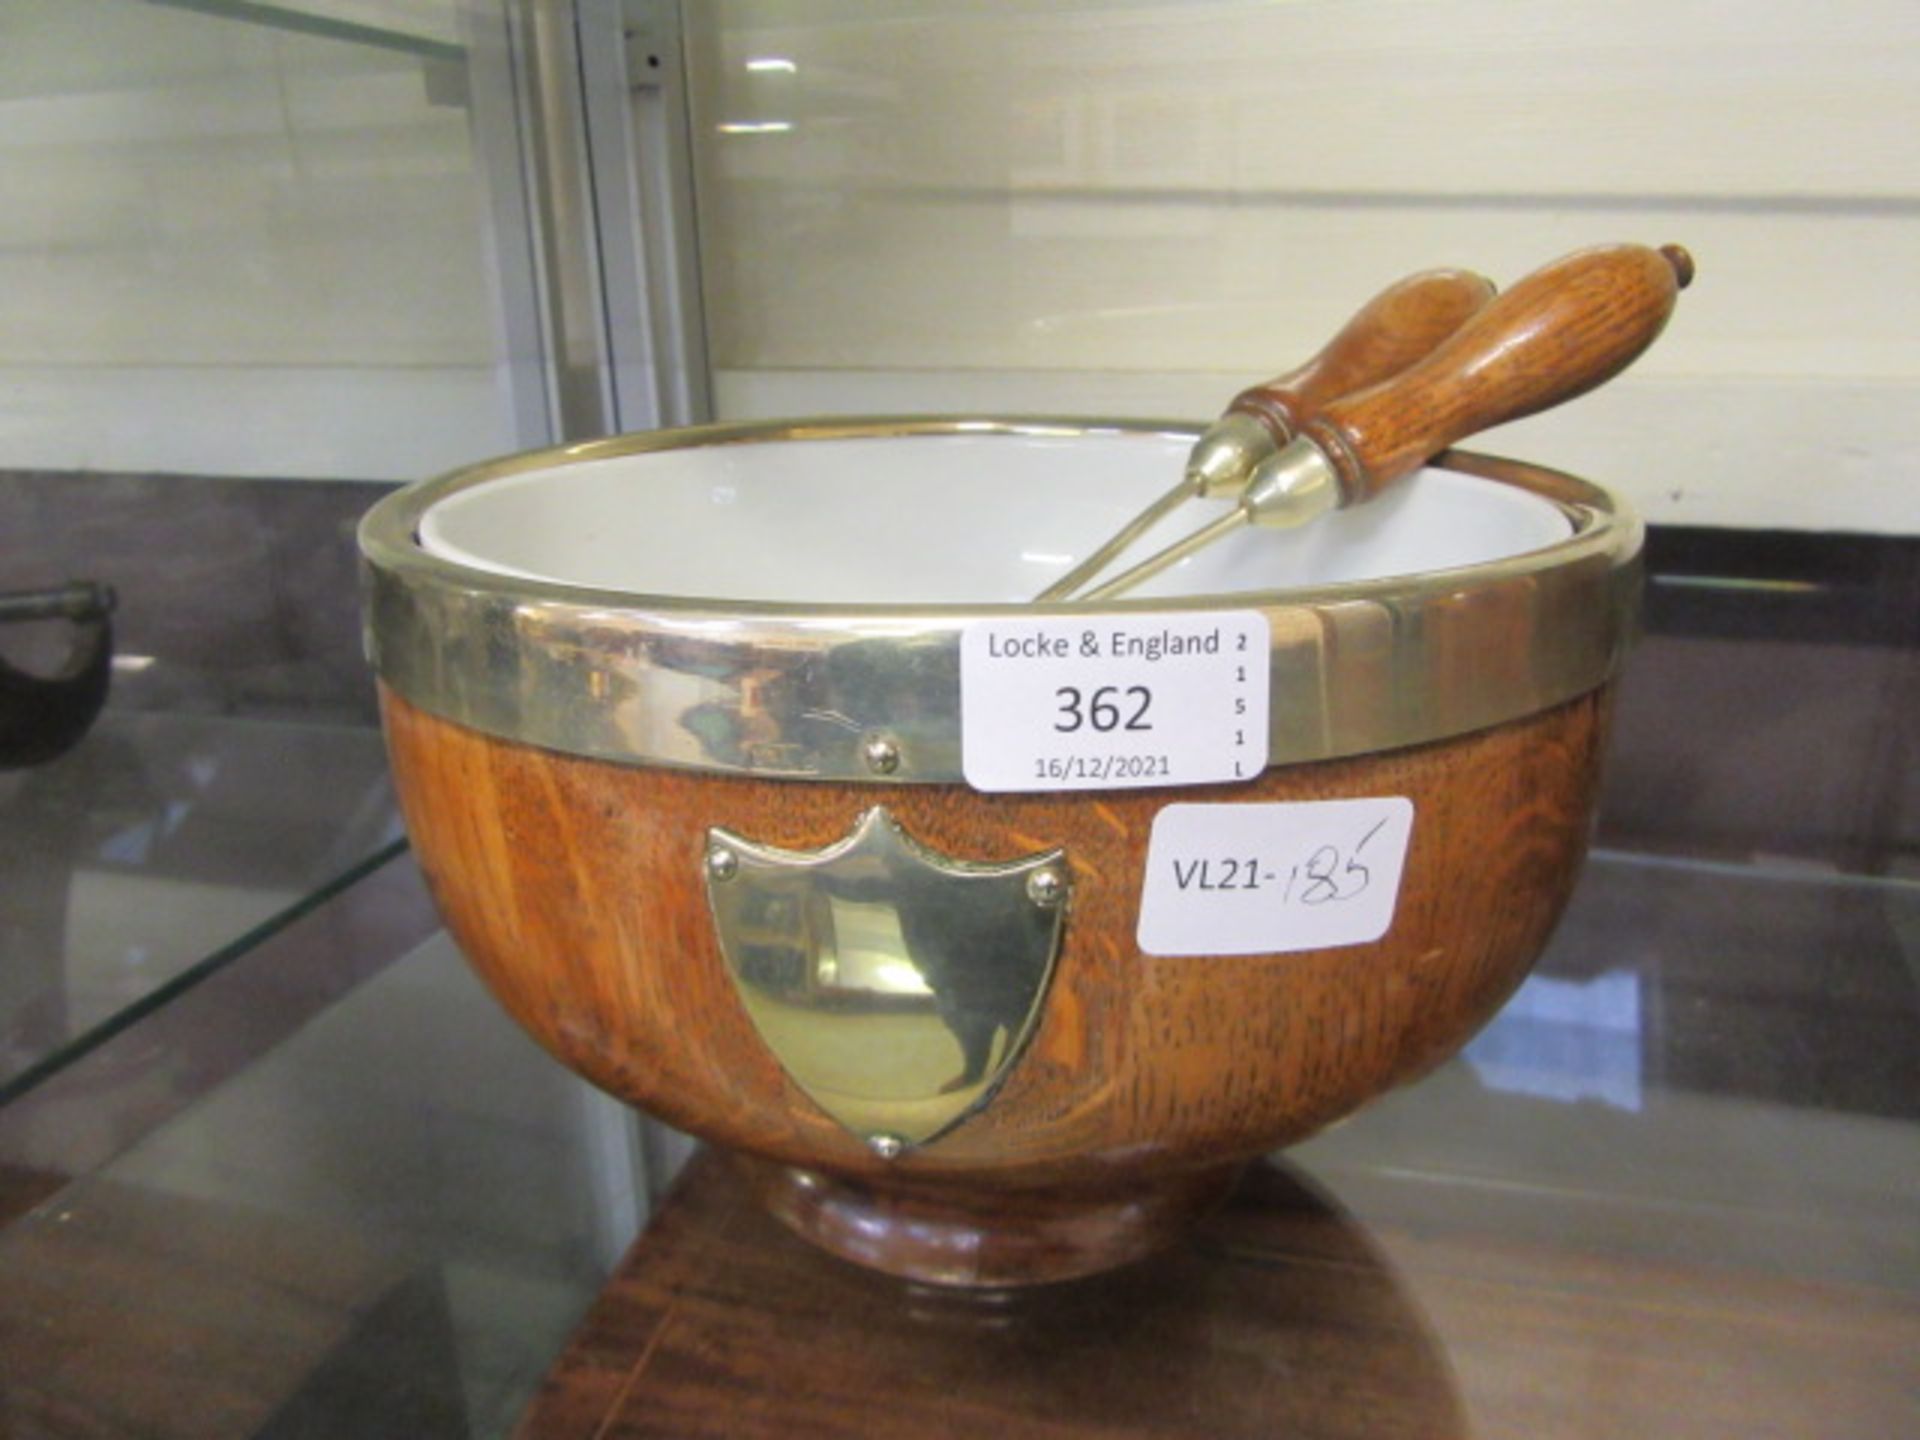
[1284, 1314]
[1279, 1315]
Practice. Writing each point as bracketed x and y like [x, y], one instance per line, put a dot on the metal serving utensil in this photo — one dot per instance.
[1565, 329]
[1390, 332]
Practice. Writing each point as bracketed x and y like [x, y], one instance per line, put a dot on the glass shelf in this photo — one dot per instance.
[432, 36]
[159, 848]
[383, 1227]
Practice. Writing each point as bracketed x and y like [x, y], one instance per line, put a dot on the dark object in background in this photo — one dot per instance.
[44, 716]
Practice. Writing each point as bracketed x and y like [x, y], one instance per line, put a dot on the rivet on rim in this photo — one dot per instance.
[722, 864]
[1045, 888]
[886, 1147]
[882, 754]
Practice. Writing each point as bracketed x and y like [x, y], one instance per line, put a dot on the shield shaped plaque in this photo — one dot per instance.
[896, 985]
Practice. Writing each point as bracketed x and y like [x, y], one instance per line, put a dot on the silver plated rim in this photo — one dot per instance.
[871, 692]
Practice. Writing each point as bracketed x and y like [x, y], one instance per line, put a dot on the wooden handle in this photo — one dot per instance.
[1563, 330]
[1393, 330]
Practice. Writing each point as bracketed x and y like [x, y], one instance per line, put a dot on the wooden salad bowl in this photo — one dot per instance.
[626, 684]
[995, 935]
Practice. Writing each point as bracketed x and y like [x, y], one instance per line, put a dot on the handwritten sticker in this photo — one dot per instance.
[1263, 879]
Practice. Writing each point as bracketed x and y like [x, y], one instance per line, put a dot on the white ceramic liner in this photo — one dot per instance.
[966, 519]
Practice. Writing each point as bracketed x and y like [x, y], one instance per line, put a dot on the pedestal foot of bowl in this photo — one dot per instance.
[948, 1233]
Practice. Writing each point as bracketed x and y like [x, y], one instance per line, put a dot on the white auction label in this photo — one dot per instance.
[1264, 879]
[1114, 701]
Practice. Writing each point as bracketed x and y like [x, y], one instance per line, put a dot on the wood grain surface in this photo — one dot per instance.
[1389, 333]
[1280, 1315]
[22, 1188]
[1564, 329]
[575, 887]
[129, 1313]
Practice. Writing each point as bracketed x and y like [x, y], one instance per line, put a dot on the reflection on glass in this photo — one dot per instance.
[384, 1228]
[1567, 1040]
[241, 239]
[156, 845]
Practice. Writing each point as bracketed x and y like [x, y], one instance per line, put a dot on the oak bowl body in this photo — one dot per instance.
[594, 661]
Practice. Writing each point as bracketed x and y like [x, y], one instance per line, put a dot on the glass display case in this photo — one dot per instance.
[273, 1163]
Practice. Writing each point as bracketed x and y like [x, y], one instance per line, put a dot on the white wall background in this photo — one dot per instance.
[228, 247]
[1136, 208]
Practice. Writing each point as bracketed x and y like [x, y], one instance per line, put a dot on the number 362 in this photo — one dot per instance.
[1107, 708]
